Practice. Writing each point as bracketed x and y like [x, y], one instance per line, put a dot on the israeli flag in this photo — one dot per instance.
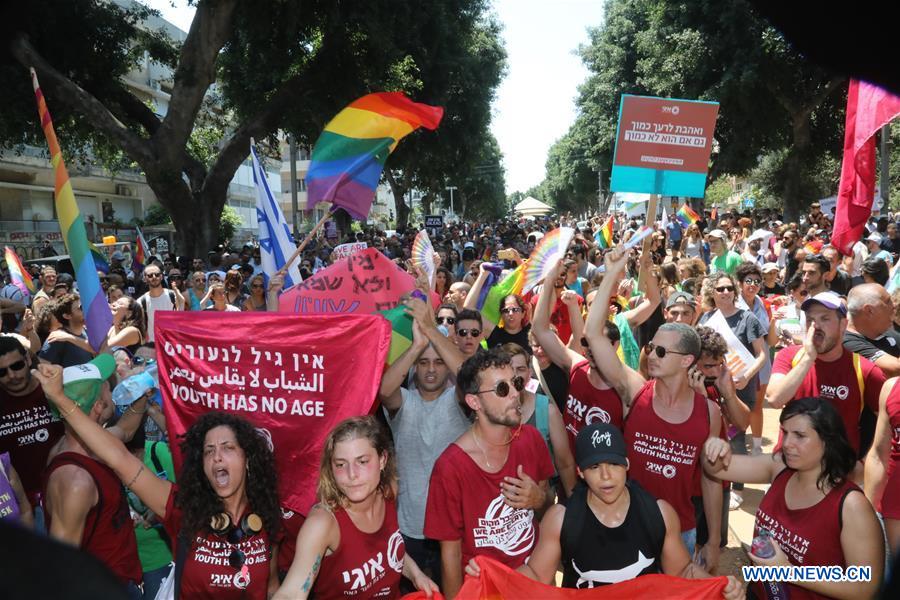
[275, 242]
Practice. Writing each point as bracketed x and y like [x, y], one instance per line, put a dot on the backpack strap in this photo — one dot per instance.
[536, 367]
[157, 464]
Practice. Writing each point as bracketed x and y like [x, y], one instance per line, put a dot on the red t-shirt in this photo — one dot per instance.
[836, 382]
[108, 529]
[207, 572]
[365, 565]
[808, 536]
[559, 318]
[28, 432]
[663, 456]
[890, 501]
[586, 404]
[291, 522]
[465, 503]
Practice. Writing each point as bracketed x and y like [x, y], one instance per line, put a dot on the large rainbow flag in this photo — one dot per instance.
[604, 235]
[511, 284]
[18, 274]
[687, 216]
[349, 156]
[97, 315]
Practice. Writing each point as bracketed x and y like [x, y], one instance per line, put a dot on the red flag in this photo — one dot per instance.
[868, 109]
[293, 377]
[498, 582]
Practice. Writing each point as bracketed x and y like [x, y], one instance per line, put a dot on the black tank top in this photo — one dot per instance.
[594, 554]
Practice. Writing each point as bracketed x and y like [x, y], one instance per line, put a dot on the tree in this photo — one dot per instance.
[276, 65]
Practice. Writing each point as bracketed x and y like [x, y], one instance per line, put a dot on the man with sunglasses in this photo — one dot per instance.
[424, 420]
[668, 421]
[157, 297]
[469, 331]
[487, 484]
[27, 428]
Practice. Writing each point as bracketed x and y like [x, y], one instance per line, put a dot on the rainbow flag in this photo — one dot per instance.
[401, 331]
[511, 284]
[141, 252]
[99, 260]
[604, 235]
[97, 315]
[349, 156]
[686, 215]
[550, 249]
[18, 274]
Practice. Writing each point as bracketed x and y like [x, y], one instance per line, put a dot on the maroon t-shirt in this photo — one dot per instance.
[465, 503]
[207, 572]
[664, 456]
[108, 529]
[890, 500]
[587, 404]
[808, 536]
[28, 432]
[291, 522]
[365, 565]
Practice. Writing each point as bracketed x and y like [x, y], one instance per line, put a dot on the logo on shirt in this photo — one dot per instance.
[667, 471]
[396, 552]
[367, 575]
[596, 414]
[509, 530]
[841, 392]
[613, 575]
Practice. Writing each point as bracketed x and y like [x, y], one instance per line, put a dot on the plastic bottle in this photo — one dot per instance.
[763, 547]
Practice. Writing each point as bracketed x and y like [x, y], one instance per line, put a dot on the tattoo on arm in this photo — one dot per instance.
[312, 576]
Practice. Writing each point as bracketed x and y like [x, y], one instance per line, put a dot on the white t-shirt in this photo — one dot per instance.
[151, 305]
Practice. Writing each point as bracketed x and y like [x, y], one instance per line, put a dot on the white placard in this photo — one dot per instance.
[738, 358]
[345, 250]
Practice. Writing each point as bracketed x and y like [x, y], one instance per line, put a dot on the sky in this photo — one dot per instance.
[535, 103]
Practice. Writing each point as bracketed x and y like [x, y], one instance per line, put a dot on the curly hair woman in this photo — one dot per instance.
[222, 515]
[128, 324]
[354, 522]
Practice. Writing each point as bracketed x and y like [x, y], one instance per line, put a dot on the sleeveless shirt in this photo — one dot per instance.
[587, 404]
[664, 456]
[365, 565]
[890, 501]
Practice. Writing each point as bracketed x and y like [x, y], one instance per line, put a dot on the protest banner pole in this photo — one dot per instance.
[645, 245]
[306, 240]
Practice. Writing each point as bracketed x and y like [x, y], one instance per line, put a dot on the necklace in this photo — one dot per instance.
[506, 443]
[475, 437]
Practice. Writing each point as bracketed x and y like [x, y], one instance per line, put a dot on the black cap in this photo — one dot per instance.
[600, 443]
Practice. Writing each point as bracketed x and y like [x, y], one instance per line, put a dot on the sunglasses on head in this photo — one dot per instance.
[725, 288]
[446, 320]
[501, 390]
[466, 332]
[16, 366]
[660, 351]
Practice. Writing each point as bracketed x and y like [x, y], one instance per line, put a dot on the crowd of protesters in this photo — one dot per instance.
[597, 425]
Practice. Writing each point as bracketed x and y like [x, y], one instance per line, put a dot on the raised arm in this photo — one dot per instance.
[783, 387]
[389, 393]
[423, 314]
[276, 283]
[719, 462]
[570, 299]
[553, 347]
[471, 301]
[153, 491]
[644, 310]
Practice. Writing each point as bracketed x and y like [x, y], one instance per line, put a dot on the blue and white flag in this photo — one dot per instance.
[275, 242]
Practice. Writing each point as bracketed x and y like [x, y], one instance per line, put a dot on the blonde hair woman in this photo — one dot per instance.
[692, 243]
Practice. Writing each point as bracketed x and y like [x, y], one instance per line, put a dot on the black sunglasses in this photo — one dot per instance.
[725, 288]
[511, 310]
[502, 387]
[447, 320]
[660, 351]
[16, 366]
[465, 332]
[152, 275]
[751, 281]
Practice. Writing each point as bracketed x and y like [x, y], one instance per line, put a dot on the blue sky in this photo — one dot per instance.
[535, 103]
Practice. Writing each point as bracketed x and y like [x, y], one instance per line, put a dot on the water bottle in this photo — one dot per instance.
[763, 547]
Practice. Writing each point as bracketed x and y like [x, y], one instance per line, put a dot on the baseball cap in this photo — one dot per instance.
[81, 383]
[469, 245]
[874, 237]
[718, 233]
[600, 443]
[117, 256]
[826, 299]
[769, 267]
[680, 298]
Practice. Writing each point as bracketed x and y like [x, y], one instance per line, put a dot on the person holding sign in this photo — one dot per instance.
[354, 524]
[222, 514]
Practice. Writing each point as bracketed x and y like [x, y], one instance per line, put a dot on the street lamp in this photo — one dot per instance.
[451, 188]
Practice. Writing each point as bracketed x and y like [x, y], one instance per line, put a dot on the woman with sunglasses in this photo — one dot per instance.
[256, 301]
[513, 317]
[128, 324]
[720, 296]
[354, 523]
[221, 516]
[789, 322]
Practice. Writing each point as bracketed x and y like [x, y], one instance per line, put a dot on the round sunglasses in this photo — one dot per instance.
[502, 387]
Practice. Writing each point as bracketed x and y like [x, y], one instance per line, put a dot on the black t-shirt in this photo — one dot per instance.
[500, 336]
[775, 290]
[558, 383]
[621, 553]
[65, 354]
[889, 344]
[840, 284]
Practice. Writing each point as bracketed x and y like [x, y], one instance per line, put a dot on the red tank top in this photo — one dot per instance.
[664, 456]
[586, 404]
[890, 501]
[809, 536]
[365, 565]
[108, 528]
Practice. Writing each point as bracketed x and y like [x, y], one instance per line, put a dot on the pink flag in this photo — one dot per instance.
[868, 109]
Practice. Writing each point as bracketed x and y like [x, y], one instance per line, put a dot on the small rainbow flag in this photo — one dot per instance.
[511, 284]
[401, 331]
[97, 315]
[17, 272]
[349, 156]
[141, 252]
[686, 215]
[604, 235]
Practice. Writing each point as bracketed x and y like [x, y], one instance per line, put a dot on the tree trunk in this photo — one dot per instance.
[793, 166]
[402, 209]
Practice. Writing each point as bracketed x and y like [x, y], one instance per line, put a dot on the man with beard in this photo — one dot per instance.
[424, 420]
[823, 368]
[495, 472]
[48, 283]
[157, 297]
[813, 271]
[611, 530]
[27, 428]
[668, 421]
